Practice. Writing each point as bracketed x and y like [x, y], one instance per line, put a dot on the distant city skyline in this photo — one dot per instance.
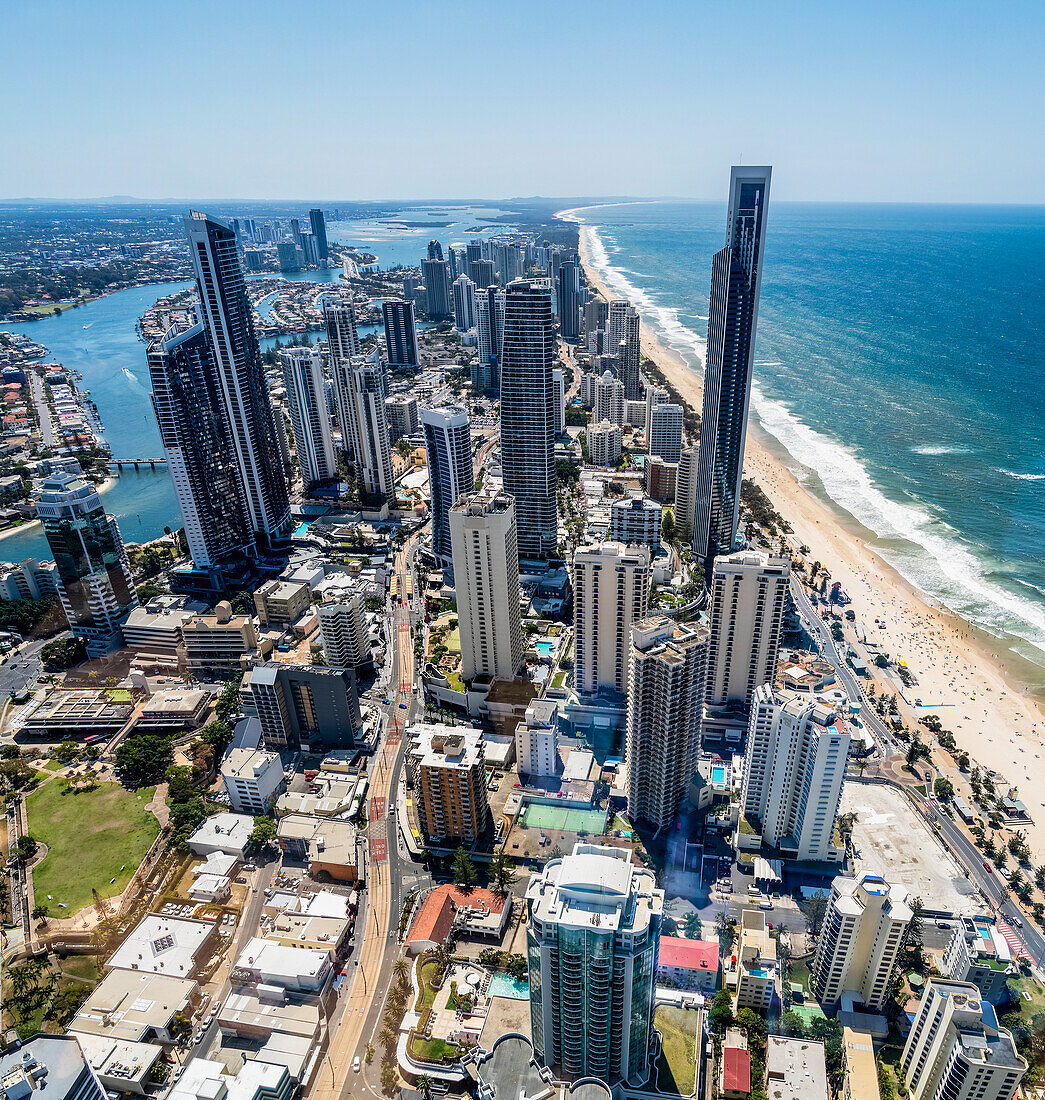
[906, 103]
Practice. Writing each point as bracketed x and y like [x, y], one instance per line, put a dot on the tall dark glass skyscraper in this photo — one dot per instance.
[196, 440]
[568, 288]
[736, 278]
[319, 231]
[529, 419]
[227, 317]
[436, 276]
[400, 333]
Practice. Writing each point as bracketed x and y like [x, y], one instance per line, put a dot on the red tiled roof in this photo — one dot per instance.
[436, 917]
[689, 954]
[736, 1069]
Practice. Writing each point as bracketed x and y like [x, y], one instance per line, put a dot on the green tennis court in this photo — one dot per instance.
[537, 815]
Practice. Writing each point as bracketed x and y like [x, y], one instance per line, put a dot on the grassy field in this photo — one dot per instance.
[1033, 988]
[92, 837]
[677, 1064]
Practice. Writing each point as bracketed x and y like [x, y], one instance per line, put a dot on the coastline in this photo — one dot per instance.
[977, 692]
[105, 486]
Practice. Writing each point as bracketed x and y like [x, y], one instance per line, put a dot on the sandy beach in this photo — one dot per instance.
[978, 697]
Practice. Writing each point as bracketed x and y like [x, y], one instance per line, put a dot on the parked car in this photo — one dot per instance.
[355, 1064]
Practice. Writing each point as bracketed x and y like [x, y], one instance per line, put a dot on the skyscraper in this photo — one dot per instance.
[436, 277]
[559, 384]
[314, 441]
[481, 273]
[655, 395]
[473, 254]
[464, 304]
[400, 333]
[435, 250]
[609, 399]
[610, 589]
[622, 327]
[665, 705]
[793, 773]
[956, 1049]
[448, 443]
[228, 318]
[489, 313]
[860, 940]
[370, 431]
[319, 231]
[528, 417]
[195, 434]
[568, 292]
[593, 922]
[483, 540]
[665, 434]
[736, 278]
[748, 598]
[94, 579]
[339, 316]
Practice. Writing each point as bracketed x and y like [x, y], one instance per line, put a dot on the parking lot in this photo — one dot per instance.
[891, 839]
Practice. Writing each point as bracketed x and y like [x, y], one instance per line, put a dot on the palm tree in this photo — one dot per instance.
[401, 969]
[424, 1086]
[387, 1036]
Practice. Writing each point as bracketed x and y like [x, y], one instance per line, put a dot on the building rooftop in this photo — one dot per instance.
[126, 1004]
[861, 1070]
[436, 916]
[796, 1069]
[57, 1059]
[164, 945]
[278, 964]
[736, 1069]
[228, 832]
[247, 763]
[185, 701]
[439, 746]
[328, 840]
[689, 954]
[206, 1080]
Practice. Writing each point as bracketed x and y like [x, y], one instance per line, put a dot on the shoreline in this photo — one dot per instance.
[978, 692]
[105, 486]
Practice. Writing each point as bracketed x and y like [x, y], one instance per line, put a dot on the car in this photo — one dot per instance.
[387, 702]
[402, 706]
[355, 1064]
[765, 903]
[1016, 921]
[986, 865]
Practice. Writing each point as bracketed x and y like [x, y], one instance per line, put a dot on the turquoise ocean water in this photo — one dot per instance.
[899, 365]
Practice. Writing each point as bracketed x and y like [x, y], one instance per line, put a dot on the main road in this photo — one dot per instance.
[372, 972]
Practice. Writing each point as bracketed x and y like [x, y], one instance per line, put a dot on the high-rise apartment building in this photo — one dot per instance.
[537, 740]
[319, 232]
[610, 590]
[686, 492]
[860, 941]
[465, 316]
[957, 1050]
[400, 333]
[609, 399]
[402, 415]
[448, 767]
[655, 395]
[482, 273]
[303, 707]
[559, 385]
[485, 555]
[604, 443]
[473, 252]
[94, 579]
[489, 314]
[528, 418]
[794, 768]
[228, 318]
[343, 629]
[592, 932]
[436, 276]
[568, 290]
[596, 316]
[636, 521]
[435, 250]
[339, 316]
[369, 427]
[194, 430]
[448, 444]
[313, 439]
[665, 434]
[736, 279]
[622, 327]
[748, 599]
[665, 707]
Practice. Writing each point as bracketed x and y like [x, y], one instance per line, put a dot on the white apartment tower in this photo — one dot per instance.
[485, 556]
[604, 443]
[655, 395]
[537, 740]
[863, 931]
[303, 375]
[665, 432]
[748, 597]
[465, 313]
[793, 773]
[686, 491]
[610, 589]
[956, 1050]
[622, 328]
[665, 707]
[609, 399]
[342, 626]
[636, 520]
[369, 427]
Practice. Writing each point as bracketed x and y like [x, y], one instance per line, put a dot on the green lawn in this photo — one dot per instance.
[800, 973]
[432, 1050]
[677, 1064]
[90, 837]
[428, 972]
[1031, 986]
[455, 681]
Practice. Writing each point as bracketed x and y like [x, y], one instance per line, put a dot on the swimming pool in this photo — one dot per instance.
[545, 649]
[302, 529]
[501, 985]
[718, 773]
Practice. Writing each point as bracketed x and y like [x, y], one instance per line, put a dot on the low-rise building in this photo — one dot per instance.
[471, 914]
[135, 1006]
[220, 642]
[796, 1069]
[325, 844]
[56, 1062]
[734, 1075]
[689, 964]
[313, 932]
[280, 603]
[122, 1067]
[753, 972]
[202, 1079]
[155, 635]
[29, 580]
[859, 1068]
[74, 715]
[174, 946]
[172, 711]
[253, 780]
[227, 833]
[296, 970]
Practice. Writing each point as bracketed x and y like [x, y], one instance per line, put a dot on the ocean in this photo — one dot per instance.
[899, 369]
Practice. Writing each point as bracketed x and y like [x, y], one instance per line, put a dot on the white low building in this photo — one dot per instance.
[228, 833]
[296, 969]
[253, 780]
[175, 946]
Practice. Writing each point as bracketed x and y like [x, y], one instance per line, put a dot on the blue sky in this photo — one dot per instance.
[931, 101]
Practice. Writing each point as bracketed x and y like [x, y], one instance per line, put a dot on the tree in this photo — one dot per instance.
[63, 653]
[792, 1024]
[753, 1026]
[943, 789]
[502, 871]
[464, 872]
[424, 1086]
[143, 759]
[693, 926]
[26, 847]
[721, 1011]
[40, 912]
[263, 835]
[815, 909]
[667, 526]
